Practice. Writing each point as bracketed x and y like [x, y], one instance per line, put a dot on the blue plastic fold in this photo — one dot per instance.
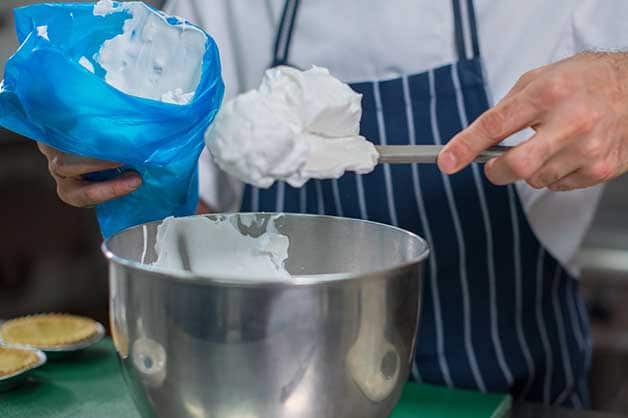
[49, 97]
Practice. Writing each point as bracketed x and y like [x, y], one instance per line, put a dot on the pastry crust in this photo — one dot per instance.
[48, 330]
[13, 360]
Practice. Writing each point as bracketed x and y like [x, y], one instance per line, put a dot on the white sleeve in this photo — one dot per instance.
[216, 189]
[561, 220]
[595, 26]
[601, 25]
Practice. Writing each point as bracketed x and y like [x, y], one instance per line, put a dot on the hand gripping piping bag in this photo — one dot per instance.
[59, 89]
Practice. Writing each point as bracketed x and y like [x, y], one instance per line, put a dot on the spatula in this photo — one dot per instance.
[427, 154]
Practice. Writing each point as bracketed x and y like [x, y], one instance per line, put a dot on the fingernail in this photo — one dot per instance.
[447, 161]
[131, 180]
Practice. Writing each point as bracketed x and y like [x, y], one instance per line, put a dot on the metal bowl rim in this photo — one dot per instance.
[296, 281]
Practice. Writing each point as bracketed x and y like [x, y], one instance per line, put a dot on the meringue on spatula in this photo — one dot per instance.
[297, 125]
[300, 125]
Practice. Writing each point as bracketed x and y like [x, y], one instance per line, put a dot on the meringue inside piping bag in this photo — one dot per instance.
[150, 58]
[117, 81]
[229, 253]
[297, 125]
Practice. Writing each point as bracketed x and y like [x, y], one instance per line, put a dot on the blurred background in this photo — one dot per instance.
[50, 259]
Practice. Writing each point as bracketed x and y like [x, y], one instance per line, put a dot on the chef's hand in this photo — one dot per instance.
[579, 111]
[67, 170]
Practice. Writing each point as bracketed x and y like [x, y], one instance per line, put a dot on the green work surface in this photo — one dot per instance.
[86, 385]
[90, 385]
[427, 401]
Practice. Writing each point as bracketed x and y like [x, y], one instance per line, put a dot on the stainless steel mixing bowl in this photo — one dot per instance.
[338, 345]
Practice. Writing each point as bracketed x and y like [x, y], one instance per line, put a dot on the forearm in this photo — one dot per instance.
[203, 208]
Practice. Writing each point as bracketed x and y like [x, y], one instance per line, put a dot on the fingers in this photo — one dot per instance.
[571, 167]
[584, 177]
[67, 170]
[524, 161]
[561, 165]
[81, 193]
[572, 181]
[579, 121]
[508, 117]
[64, 165]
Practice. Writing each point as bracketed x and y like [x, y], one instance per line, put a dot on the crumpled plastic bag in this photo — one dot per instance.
[48, 96]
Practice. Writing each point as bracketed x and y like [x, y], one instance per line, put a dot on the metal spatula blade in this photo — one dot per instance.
[426, 154]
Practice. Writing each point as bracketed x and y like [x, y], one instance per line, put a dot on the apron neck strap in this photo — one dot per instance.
[465, 31]
[283, 38]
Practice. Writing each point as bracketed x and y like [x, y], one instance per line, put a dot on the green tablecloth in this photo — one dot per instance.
[91, 386]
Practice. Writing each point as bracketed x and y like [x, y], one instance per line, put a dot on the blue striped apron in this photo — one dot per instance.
[500, 314]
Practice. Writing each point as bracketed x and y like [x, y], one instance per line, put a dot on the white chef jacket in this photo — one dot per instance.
[361, 40]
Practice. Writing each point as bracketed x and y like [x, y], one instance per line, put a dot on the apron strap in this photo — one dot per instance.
[464, 12]
[283, 38]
